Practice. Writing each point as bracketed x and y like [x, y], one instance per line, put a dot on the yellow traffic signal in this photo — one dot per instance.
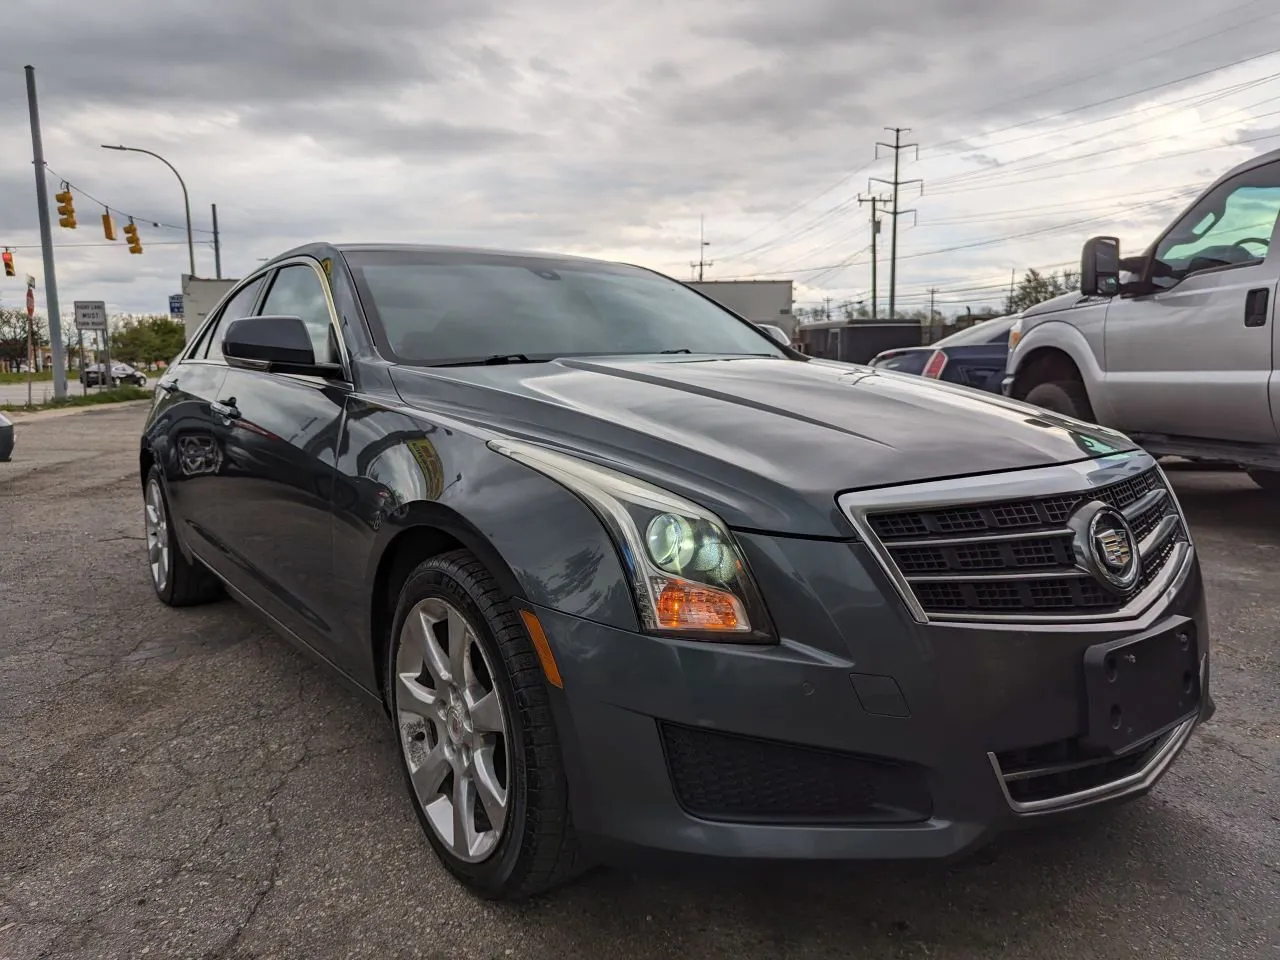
[66, 208]
[8, 263]
[108, 228]
[131, 234]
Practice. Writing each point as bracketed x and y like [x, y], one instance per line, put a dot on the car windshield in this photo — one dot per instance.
[988, 331]
[438, 307]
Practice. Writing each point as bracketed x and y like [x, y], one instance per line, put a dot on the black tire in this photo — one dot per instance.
[1268, 480]
[538, 848]
[1066, 397]
[187, 583]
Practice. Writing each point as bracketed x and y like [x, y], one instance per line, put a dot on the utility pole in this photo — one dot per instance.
[217, 247]
[826, 308]
[875, 232]
[897, 147]
[46, 243]
[702, 261]
[1013, 282]
[933, 293]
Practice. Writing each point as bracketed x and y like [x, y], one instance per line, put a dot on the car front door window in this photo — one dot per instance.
[297, 292]
[1231, 226]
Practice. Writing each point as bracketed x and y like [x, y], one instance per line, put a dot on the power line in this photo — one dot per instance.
[108, 207]
[964, 188]
[966, 144]
[979, 176]
[844, 178]
[1200, 98]
[993, 241]
[1130, 61]
[1118, 97]
[99, 243]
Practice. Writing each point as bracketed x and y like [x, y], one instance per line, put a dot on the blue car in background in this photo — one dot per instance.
[973, 357]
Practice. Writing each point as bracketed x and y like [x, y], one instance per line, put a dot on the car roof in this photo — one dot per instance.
[321, 249]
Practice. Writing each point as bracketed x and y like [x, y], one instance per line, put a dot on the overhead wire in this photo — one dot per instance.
[1203, 96]
[76, 188]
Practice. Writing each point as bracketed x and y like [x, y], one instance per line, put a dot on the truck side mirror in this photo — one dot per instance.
[1100, 267]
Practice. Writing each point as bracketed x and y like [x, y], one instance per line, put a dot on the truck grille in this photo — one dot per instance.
[1015, 558]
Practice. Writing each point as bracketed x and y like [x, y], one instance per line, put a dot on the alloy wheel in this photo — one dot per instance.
[453, 729]
[157, 523]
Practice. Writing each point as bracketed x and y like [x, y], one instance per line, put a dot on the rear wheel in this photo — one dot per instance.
[1267, 479]
[1067, 397]
[178, 582]
[473, 716]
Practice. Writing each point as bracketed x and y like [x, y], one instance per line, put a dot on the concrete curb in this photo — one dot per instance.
[20, 417]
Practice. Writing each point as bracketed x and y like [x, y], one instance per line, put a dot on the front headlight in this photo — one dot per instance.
[685, 570]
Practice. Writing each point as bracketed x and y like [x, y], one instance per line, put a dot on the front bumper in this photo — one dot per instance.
[1006, 385]
[735, 751]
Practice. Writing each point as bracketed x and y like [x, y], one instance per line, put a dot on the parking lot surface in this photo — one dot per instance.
[182, 783]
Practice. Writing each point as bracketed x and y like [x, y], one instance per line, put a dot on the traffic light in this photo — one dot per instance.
[108, 228]
[131, 234]
[66, 208]
[8, 263]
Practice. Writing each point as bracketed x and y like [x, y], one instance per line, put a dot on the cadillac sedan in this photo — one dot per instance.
[625, 572]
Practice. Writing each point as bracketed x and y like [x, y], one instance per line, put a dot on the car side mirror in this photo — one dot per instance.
[276, 344]
[1100, 267]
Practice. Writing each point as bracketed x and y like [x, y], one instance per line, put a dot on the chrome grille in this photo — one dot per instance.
[1011, 557]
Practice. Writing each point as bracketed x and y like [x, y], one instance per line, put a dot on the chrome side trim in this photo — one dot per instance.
[1143, 779]
[1036, 483]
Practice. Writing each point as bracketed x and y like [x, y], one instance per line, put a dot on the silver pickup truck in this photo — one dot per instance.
[1176, 347]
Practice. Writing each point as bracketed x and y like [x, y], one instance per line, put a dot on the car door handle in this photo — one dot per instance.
[1255, 307]
[227, 410]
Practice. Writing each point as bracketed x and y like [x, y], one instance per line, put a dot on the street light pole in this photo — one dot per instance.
[186, 201]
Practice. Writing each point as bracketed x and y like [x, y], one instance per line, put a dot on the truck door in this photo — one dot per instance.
[1194, 358]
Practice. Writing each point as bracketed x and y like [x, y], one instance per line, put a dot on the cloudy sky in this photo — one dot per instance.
[609, 128]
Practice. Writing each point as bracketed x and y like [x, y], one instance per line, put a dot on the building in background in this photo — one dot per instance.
[198, 298]
[760, 301]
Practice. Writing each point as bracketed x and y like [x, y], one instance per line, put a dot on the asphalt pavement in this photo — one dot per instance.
[182, 783]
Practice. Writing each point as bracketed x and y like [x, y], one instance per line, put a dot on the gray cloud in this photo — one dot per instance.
[608, 129]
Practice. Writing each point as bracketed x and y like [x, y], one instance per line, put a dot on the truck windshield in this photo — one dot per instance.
[1230, 226]
[429, 307]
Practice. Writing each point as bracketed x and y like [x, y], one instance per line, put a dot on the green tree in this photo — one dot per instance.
[13, 333]
[1036, 287]
[146, 339]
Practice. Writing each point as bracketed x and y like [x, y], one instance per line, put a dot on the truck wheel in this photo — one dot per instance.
[1267, 479]
[1064, 396]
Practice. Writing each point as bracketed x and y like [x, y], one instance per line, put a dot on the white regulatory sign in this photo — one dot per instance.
[91, 315]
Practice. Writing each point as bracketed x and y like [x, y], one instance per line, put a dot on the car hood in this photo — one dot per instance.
[1063, 301]
[766, 443]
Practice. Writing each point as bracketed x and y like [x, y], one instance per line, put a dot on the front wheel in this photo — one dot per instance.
[1268, 480]
[1066, 397]
[473, 716]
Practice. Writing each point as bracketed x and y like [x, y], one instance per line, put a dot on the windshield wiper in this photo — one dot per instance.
[497, 360]
[680, 350]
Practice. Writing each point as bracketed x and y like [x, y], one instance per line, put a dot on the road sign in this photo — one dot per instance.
[91, 315]
[175, 304]
[31, 302]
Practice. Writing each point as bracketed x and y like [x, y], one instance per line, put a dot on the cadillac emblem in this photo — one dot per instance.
[1105, 546]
